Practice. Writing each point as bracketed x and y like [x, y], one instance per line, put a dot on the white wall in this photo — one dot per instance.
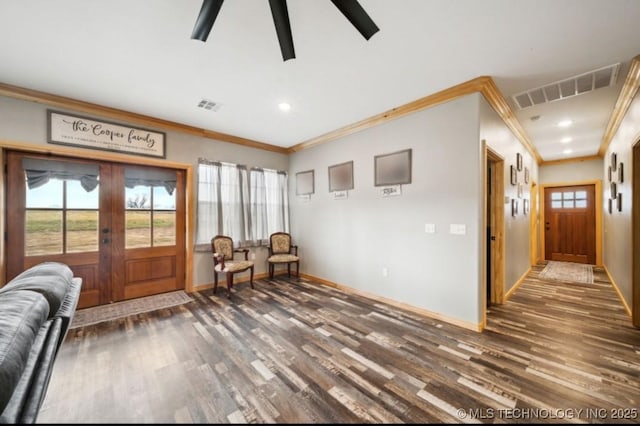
[574, 171]
[350, 241]
[517, 229]
[617, 241]
[26, 122]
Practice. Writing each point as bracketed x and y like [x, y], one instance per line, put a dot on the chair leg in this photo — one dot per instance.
[229, 284]
[271, 270]
[251, 278]
[289, 269]
[215, 282]
[298, 269]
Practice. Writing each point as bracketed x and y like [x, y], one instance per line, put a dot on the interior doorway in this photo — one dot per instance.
[120, 227]
[635, 226]
[494, 219]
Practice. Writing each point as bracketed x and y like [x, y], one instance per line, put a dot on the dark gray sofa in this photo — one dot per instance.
[36, 310]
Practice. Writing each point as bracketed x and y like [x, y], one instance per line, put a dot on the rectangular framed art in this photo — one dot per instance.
[305, 183]
[393, 168]
[341, 177]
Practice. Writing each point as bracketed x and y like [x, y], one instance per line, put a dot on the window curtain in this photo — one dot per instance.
[223, 203]
[39, 172]
[269, 203]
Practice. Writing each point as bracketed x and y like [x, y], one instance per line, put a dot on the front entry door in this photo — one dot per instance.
[118, 227]
[570, 224]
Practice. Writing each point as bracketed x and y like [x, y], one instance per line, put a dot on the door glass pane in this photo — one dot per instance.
[567, 195]
[79, 198]
[556, 196]
[138, 197]
[581, 195]
[48, 195]
[137, 228]
[164, 228]
[567, 204]
[82, 231]
[556, 204]
[581, 203]
[43, 232]
[162, 200]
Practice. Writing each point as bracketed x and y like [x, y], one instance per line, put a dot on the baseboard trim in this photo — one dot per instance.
[615, 287]
[423, 312]
[516, 285]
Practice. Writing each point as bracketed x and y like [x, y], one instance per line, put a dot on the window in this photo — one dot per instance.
[569, 200]
[246, 207]
[150, 208]
[61, 214]
[269, 203]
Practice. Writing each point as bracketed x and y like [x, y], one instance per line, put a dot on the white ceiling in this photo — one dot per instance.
[137, 56]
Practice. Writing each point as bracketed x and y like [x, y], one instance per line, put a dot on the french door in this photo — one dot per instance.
[119, 227]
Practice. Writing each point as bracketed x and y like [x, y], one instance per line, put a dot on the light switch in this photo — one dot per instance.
[457, 229]
[430, 228]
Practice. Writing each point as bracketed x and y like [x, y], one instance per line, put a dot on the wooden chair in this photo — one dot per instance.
[223, 262]
[281, 251]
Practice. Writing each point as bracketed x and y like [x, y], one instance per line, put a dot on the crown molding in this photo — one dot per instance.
[118, 114]
[627, 93]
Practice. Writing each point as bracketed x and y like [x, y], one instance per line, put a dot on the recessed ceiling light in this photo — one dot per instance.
[567, 151]
[284, 106]
[566, 140]
[565, 123]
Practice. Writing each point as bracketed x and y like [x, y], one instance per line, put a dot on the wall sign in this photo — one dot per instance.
[75, 130]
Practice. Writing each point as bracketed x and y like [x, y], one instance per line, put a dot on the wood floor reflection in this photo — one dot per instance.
[293, 351]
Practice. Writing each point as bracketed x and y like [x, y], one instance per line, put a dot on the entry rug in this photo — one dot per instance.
[567, 271]
[97, 314]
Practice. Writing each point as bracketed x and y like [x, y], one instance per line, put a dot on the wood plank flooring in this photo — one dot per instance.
[293, 351]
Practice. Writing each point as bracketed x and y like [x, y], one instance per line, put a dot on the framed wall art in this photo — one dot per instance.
[514, 207]
[519, 161]
[609, 173]
[614, 190]
[514, 175]
[620, 173]
[305, 183]
[393, 168]
[614, 161]
[526, 175]
[341, 177]
[619, 201]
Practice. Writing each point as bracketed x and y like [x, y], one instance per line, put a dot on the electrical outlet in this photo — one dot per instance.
[430, 228]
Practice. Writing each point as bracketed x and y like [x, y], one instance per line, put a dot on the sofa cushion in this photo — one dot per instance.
[51, 279]
[22, 313]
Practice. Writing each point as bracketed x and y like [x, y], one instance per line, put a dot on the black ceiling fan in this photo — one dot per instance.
[351, 9]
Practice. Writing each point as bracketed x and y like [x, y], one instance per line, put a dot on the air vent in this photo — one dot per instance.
[208, 105]
[583, 83]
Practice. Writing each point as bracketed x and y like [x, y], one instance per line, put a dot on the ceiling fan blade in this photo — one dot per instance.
[357, 16]
[206, 18]
[283, 28]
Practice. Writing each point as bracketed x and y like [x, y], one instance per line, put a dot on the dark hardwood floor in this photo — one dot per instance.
[292, 351]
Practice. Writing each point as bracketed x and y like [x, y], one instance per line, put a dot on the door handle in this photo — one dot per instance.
[105, 241]
[493, 238]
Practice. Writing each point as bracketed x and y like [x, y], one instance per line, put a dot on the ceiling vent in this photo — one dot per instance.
[208, 105]
[574, 86]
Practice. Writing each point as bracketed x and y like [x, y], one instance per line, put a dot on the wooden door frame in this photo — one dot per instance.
[534, 251]
[635, 234]
[597, 208]
[108, 157]
[497, 221]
